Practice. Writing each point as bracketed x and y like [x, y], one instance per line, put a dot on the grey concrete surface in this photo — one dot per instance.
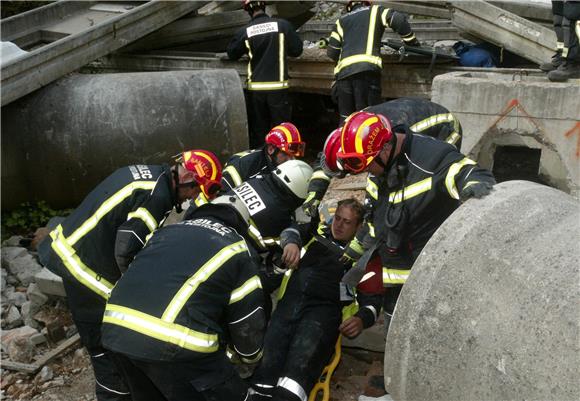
[62, 140]
[491, 310]
[546, 117]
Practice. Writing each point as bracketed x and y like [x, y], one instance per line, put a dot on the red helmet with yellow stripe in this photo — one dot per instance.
[330, 150]
[203, 167]
[286, 137]
[363, 136]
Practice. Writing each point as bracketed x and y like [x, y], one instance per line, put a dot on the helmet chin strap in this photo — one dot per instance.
[390, 160]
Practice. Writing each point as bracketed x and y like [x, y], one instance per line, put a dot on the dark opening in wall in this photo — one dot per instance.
[517, 163]
[316, 117]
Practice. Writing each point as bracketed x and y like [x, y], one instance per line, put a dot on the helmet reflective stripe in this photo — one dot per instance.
[358, 145]
[214, 168]
[204, 273]
[154, 327]
[286, 132]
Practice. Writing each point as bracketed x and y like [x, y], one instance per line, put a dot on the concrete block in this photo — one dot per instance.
[24, 268]
[35, 295]
[49, 283]
[10, 335]
[10, 253]
[12, 241]
[517, 109]
[490, 310]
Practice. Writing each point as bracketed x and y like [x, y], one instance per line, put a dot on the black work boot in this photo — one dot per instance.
[554, 63]
[567, 70]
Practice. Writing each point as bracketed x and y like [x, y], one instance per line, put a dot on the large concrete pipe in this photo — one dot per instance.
[491, 310]
[60, 141]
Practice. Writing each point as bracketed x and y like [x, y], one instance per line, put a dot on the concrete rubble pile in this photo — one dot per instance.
[34, 322]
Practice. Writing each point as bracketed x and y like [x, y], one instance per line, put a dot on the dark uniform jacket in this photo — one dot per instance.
[421, 115]
[192, 289]
[267, 41]
[244, 165]
[96, 243]
[271, 206]
[355, 41]
[318, 277]
[415, 197]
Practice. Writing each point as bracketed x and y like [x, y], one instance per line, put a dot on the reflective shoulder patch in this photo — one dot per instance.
[261, 29]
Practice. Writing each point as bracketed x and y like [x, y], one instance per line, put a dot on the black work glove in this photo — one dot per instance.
[310, 205]
[476, 190]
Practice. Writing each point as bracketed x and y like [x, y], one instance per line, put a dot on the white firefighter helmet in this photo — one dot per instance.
[295, 175]
[236, 203]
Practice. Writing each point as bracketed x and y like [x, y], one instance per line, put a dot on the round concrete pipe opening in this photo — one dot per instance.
[491, 309]
[522, 154]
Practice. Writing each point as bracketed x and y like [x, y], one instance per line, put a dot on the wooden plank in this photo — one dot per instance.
[49, 356]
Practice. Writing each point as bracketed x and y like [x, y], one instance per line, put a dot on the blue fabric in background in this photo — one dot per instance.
[482, 55]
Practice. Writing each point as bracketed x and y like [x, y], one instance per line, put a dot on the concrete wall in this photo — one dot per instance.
[498, 109]
[491, 310]
[60, 141]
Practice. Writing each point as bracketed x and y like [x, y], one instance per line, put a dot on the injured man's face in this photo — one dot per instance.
[345, 224]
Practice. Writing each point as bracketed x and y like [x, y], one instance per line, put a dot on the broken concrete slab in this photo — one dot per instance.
[517, 109]
[35, 295]
[490, 309]
[49, 283]
[9, 253]
[24, 267]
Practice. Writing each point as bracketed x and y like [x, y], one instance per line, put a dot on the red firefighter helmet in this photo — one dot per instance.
[286, 137]
[331, 148]
[363, 136]
[203, 167]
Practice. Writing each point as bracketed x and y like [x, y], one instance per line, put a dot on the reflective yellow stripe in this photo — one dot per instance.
[356, 246]
[395, 276]
[144, 215]
[339, 29]
[154, 327]
[255, 234]
[371, 230]
[453, 138]
[76, 267]
[336, 36]
[358, 58]
[250, 55]
[432, 121]
[231, 170]
[201, 200]
[271, 241]
[450, 178]
[310, 196]
[205, 271]
[360, 132]
[372, 189]
[284, 283]
[281, 56]
[371, 32]
[239, 293]
[409, 38]
[106, 207]
[267, 85]
[384, 17]
[411, 191]
[319, 175]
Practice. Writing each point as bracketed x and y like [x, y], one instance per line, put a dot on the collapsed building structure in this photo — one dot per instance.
[106, 84]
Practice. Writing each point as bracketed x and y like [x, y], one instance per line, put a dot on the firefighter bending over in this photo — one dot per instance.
[191, 292]
[93, 246]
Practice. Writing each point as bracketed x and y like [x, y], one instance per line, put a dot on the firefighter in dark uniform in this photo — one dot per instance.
[421, 115]
[421, 181]
[267, 41]
[307, 321]
[282, 143]
[565, 64]
[271, 200]
[355, 44]
[93, 246]
[191, 295]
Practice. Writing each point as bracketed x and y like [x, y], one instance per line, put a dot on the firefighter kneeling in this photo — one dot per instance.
[191, 293]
